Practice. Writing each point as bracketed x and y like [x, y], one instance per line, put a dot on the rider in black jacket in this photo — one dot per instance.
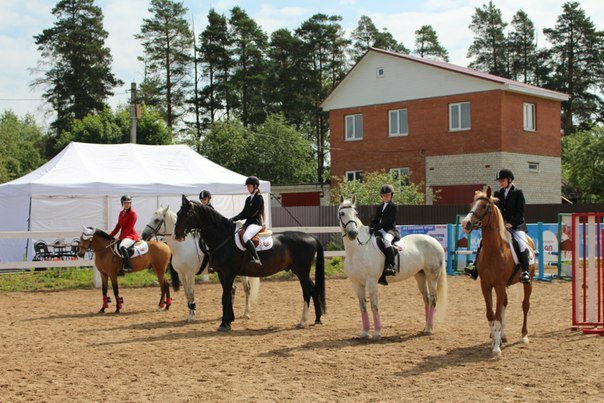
[252, 213]
[383, 226]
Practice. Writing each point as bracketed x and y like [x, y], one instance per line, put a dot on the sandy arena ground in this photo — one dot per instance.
[53, 347]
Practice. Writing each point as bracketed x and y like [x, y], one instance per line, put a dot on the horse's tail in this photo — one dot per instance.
[254, 285]
[320, 275]
[441, 292]
[174, 277]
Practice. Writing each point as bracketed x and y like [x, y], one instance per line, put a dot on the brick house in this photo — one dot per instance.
[450, 127]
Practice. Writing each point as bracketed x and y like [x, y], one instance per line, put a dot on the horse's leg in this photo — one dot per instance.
[162, 287]
[104, 279]
[168, 297]
[359, 289]
[118, 300]
[189, 286]
[246, 289]
[307, 291]
[504, 338]
[526, 305]
[420, 278]
[501, 296]
[487, 293]
[375, 308]
[228, 316]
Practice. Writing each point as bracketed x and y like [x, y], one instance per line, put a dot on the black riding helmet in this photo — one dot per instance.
[126, 198]
[505, 174]
[205, 194]
[386, 189]
[252, 180]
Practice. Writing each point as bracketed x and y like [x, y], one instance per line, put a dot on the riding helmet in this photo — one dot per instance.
[386, 189]
[126, 198]
[505, 174]
[205, 194]
[252, 180]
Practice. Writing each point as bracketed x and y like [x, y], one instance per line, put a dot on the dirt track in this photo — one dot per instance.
[53, 347]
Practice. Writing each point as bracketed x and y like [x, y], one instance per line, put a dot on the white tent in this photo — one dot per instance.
[83, 184]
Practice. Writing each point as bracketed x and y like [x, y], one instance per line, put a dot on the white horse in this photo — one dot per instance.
[187, 258]
[420, 256]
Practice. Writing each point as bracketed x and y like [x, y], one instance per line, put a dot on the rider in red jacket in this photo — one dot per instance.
[125, 225]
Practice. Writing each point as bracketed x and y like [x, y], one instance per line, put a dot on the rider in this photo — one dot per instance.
[253, 213]
[206, 198]
[511, 203]
[128, 235]
[384, 229]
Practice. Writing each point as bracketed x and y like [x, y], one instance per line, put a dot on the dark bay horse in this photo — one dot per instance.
[291, 250]
[496, 266]
[109, 265]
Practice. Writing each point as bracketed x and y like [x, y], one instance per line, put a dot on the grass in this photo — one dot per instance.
[77, 278]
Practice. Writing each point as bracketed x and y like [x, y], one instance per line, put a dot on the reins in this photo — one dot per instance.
[354, 222]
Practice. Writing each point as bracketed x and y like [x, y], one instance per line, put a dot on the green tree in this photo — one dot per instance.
[522, 50]
[249, 73]
[280, 154]
[488, 48]
[583, 163]
[21, 146]
[578, 54]
[366, 35]
[227, 144]
[427, 44]
[167, 42]
[368, 190]
[75, 63]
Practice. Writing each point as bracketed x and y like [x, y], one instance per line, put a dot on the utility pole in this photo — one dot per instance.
[133, 113]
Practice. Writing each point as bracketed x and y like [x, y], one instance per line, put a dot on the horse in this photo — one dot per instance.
[419, 255]
[109, 264]
[188, 259]
[496, 266]
[291, 250]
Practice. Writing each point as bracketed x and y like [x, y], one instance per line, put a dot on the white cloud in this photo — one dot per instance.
[272, 18]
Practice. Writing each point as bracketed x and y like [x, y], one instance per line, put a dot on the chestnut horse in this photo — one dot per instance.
[109, 264]
[496, 266]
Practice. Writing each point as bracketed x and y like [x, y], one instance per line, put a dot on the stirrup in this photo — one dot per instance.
[389, 271]
[525, 277]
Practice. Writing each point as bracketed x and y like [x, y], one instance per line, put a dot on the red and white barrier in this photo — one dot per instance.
[588, 272]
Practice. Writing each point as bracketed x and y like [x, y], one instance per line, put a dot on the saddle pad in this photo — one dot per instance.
[515, 256]
[265, 242]
[399, 244]
[138, 249]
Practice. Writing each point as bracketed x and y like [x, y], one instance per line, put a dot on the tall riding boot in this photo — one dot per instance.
[389, 269]
[253, 254]
[473, 272]
[126, 256]
[524, 262]
[382, 280]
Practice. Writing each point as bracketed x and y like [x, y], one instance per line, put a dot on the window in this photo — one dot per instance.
[459, 116]
[397, 123]
[379, 72]
[354, 127]
[353, 176]
[533, 166]
[400, 176]
[529, 117]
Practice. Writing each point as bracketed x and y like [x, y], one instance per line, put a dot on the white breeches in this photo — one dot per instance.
[126, 243]
[387, 237]
[520, 237]
[250, 231]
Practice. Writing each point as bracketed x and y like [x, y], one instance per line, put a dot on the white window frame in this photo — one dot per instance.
[459, 106]
[533, 166]
[529, 117]
[353, 136]
[356, 176]
[399, 172]
[398, 113]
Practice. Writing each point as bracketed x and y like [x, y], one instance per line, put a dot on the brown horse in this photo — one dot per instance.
[496, 266]
[109, 265]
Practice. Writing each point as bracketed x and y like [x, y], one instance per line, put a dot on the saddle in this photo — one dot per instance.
[256, 239]
[139, 248]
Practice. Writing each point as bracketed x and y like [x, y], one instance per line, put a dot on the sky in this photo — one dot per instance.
[20, 20]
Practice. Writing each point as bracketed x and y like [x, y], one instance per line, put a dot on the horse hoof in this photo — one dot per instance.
[190, 319]
[525, 339]
[496, 354]
[318, 322]
[377, 335]
[364, 335]
[300, 326]
[101, 311]
[428, 330]
[246, 316]
[167, 307]
[224, 328]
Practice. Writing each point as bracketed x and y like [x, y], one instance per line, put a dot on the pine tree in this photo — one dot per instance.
[366, 35]
[578, 53]
[249, 73]
[427, 44]
[167, 41]
[522, 50]
[75, 62]
[488, 47]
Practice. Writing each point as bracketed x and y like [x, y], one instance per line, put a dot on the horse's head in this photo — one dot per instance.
[347, 215]
[85, 240]
[185, 219]
[157, 224]
[480, 211]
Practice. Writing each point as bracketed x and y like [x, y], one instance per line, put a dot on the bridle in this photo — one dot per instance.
[344, 225]
[156, 230]
[483, 215]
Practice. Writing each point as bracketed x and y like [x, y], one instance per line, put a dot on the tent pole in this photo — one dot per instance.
[28, 230]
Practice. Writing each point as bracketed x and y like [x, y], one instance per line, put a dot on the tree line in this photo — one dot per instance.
[233, 73]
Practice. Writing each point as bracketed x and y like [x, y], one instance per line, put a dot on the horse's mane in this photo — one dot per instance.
[349, 203]
[505, 235]
[103, 234]
[210, 214]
